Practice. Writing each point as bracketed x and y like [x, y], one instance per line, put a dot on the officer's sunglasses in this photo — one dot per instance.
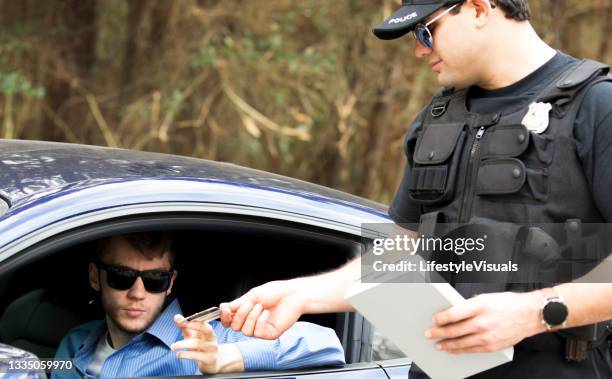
[123, 278]
[423, 34]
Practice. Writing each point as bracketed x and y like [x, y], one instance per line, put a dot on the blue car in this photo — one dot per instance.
[57, 199]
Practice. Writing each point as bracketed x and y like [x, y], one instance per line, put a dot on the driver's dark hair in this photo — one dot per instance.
[517, 10]
[150, 244]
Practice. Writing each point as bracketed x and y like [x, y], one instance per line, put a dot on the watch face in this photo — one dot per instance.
[554, 313]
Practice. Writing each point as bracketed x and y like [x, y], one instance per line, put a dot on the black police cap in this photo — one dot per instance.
[408, 16]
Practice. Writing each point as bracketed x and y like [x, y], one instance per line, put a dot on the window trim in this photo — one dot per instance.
[24, 242]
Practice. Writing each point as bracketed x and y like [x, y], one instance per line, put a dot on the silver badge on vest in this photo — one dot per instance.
[537, 117]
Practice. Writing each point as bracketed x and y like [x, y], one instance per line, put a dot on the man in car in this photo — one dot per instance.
[520, 133]
[143, 333]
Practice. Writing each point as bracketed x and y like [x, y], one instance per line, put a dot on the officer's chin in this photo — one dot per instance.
[447, 81]
[444, 80]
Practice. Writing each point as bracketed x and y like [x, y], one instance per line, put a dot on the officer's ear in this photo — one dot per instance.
[482, 11]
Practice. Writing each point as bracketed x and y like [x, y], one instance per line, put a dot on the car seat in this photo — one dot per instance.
[37, 321]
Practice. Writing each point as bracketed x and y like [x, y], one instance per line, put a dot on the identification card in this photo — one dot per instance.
[209, 314]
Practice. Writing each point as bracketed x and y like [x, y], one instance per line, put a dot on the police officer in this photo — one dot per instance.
[520, 133]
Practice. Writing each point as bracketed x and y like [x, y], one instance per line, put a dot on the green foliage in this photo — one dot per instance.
[15, 83]
[174, 102]
[13, 48]
[206, 55]
[278, 47]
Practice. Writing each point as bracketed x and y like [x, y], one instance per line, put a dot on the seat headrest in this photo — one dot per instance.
[35, 321]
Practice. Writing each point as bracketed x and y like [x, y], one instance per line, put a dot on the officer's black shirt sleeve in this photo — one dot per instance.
[593, 134]
[592, 131]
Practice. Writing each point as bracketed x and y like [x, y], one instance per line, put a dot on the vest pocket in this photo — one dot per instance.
[436, 162]
[540, 151]
[505, 141]
[537, 158]
[509, 176]
[537, 180]
[500, 176]
[514, 163]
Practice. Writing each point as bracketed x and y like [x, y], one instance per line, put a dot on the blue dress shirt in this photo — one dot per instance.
[149, 353]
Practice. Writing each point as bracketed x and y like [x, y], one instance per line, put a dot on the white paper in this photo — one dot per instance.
[403, 311]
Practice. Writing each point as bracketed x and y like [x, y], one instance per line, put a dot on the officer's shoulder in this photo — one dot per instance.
[597, 98]
[594, 110]
[601, 88]
[595, 75]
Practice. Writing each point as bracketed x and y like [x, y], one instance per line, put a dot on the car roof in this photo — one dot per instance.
[34, 169]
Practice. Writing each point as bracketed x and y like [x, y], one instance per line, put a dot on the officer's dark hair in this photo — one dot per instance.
[150, 244]
[517, 10]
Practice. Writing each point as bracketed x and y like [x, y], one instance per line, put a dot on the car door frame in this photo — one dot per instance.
[357, 332]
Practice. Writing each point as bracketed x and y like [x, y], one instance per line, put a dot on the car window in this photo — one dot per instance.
[247, 246]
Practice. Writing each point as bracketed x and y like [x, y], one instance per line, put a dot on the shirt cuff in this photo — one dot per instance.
[258, 354]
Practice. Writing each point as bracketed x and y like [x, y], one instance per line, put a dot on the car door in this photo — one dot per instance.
[55, 236]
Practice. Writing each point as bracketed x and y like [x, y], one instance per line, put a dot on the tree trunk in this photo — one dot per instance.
[77, 40]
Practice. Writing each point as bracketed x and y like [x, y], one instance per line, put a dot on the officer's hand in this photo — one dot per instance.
[265, 312]
[487, 322]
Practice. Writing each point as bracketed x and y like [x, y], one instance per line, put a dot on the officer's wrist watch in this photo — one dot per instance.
[554, 310]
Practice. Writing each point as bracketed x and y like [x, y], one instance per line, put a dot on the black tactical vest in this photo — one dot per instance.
[468, 166]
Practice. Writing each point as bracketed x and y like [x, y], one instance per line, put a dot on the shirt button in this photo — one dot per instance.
[431, 155]
[521, 138]
[516, 173]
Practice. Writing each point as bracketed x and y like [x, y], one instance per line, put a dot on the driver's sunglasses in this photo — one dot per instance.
[123, 278]
[423, 34]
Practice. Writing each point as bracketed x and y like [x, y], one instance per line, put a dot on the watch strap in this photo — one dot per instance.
[550, 293]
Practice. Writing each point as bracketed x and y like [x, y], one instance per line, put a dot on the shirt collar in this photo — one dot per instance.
[97, 328]
[85, 350]
[164, 328]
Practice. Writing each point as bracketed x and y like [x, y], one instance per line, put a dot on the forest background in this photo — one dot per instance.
[300, 88]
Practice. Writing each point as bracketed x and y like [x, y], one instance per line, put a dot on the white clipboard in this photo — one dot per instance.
[403, 311]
